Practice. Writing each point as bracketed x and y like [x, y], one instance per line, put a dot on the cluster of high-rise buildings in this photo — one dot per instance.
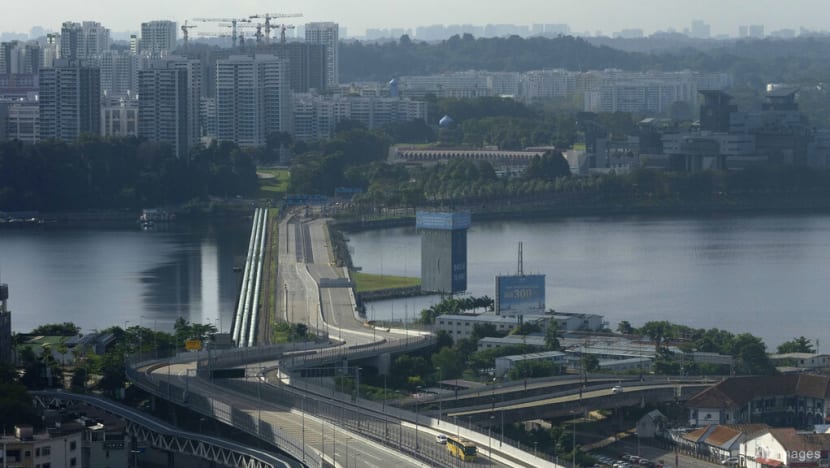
[650, 92]
[79, 82]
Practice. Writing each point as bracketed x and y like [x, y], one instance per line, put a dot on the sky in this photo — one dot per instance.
[591, 16]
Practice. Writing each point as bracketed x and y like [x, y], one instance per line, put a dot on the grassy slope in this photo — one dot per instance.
[369, 282]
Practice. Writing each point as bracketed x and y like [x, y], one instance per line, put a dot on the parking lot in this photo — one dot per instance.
[653, 456]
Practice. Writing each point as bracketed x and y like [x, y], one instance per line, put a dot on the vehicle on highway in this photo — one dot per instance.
[616, 389]
[461, 448]
[441, 438]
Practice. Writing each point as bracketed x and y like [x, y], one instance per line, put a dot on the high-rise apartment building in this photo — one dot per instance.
[252, 99]
[18, 57]
[158, 38]
[168, 108]
[83, 40]
[327, 33]
[308, 66]
[119, 73]
[70, 100]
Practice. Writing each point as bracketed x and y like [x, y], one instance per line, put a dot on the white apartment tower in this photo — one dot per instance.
[70, 100]
[327, 33]
[168, 108]
[252, 99]
[158, 38]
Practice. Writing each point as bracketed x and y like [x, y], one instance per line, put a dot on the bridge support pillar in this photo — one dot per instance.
[383, 362]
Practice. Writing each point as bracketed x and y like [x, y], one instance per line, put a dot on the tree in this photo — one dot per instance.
[751, 354]
[796, 345]
[658, 332]
[550, 166]
[57, 329]
[625, 328]
[450, 361]
[590, 363]
[552, 336]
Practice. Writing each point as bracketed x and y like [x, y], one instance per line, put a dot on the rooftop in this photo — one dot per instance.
[737, 391]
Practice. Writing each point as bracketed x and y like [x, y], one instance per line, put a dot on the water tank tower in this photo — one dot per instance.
[443, 250]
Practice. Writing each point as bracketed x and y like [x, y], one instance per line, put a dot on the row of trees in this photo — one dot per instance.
[748, 351]
[115, 173]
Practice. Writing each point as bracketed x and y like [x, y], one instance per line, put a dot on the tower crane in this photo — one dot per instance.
[267, 17]
[283, 27]
[186, 31]
[257, 34]
[232, 21]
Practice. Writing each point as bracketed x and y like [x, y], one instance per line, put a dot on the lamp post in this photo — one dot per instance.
[417, 399]
[440, 405]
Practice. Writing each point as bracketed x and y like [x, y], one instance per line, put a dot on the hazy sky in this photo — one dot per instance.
[357, 15]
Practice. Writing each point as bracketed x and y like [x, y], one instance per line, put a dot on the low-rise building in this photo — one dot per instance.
[641, 364]
[720, 441]
[785, 447]
[461, 326]
[801, 360]
[780, 400]
[491, 342]
[505, 363]
[651, 424]
[60, 446]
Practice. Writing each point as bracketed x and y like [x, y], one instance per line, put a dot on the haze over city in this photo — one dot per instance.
[590, 16]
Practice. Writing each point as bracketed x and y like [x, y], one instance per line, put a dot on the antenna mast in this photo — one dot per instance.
[521, 268]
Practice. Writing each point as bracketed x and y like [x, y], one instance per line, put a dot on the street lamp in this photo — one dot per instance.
[417, 399]
[440, 405]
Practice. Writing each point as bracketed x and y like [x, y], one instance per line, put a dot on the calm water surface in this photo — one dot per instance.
[766, 275]
[97, 278]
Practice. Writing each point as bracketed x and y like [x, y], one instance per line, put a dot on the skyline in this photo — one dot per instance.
[589, 16]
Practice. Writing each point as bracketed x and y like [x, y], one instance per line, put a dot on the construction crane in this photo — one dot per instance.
[267, 17]
[233, 21]
[186, 31]
[283, 27]
[257, 34]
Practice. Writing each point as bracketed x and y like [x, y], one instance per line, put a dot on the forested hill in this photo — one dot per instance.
[803, 61]
[383, 61]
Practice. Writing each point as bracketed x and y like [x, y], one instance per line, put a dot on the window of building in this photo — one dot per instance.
[73, 461]
[27, 454]
[37, 453]
[73, 445]
[46, 451]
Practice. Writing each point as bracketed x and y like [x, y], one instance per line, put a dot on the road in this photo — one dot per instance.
[341, 447]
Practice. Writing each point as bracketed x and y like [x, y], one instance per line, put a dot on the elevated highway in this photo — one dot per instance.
[320, 426]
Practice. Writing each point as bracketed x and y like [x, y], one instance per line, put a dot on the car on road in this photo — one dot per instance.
[616, 389]
[441, 438]
[729, 461]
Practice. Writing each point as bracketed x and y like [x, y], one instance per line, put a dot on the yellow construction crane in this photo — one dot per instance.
[267, 17]
[233, 21]
[186, 31]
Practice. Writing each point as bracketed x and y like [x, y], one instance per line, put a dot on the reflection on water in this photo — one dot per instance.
[98, 278]
[765, 275]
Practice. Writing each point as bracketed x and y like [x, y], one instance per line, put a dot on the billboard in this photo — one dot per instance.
[520, 294]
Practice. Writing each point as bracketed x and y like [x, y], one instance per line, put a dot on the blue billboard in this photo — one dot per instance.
[520, 294]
